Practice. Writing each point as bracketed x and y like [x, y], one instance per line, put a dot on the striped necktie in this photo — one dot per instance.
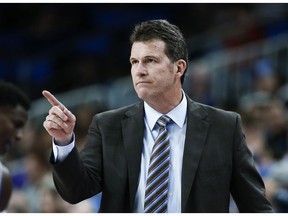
[158, 174]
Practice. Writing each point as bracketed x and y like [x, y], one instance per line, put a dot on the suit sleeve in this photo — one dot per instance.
[79, 175]
[247, 187]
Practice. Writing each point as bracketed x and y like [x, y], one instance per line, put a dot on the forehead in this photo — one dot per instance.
[150, 47]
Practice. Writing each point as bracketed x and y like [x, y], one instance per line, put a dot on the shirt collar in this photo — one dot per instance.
[178, 114]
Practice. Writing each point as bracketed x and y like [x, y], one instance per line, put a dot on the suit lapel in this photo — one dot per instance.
[133, 132]
[196, 133]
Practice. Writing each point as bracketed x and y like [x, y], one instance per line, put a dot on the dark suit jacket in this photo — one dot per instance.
[216, 162]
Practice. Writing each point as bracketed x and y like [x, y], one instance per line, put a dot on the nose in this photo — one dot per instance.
[139, 69]
[18, 134]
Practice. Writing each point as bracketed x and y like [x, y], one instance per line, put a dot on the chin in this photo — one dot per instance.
[142, 94]
[146, 93]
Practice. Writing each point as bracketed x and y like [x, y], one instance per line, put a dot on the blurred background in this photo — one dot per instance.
[80, 52]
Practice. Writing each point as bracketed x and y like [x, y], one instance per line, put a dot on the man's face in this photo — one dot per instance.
[12, 121]
[153, 74]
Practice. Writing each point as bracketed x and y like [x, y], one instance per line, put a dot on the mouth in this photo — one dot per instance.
[142, 82]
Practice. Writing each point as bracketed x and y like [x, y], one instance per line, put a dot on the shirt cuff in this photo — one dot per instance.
[61, 152]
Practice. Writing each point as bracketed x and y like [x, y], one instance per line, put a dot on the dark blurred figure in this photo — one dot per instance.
[14, 106]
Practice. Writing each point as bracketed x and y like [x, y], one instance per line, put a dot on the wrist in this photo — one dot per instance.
[65, 141]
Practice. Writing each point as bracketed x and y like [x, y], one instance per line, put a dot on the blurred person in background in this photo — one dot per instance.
[37, 176]
[276, 127]
[266, 125]
[265, 76]
[209, 155]
[198, 84]
[14, 106]
[276, 131]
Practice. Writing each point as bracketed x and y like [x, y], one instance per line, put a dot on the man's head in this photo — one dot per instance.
[14, 106]
[158, 63]
[175, 44]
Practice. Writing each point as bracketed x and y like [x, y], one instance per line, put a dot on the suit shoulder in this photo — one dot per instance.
[120, 113]
[218, 113]
[221, 120]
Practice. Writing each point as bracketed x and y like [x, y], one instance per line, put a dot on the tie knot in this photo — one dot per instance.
[163, 121]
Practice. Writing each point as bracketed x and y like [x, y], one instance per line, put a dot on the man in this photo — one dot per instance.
[14, 106]
[202, 156]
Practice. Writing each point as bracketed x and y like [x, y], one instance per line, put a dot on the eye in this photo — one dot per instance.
[150, 60]
[133, 61]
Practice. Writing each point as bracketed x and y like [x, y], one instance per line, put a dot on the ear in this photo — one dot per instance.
[181, 67]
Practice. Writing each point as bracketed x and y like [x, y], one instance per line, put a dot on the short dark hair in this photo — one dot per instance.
[175, 44]
[11, 95]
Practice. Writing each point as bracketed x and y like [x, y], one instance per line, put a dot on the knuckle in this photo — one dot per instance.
[51, 124]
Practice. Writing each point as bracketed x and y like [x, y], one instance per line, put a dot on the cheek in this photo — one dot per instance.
[166, 77]
[133, 81]
[133, 74]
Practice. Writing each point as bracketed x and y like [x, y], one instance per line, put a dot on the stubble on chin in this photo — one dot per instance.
[142, 93]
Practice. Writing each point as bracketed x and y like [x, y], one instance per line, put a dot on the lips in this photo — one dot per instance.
[142, 82]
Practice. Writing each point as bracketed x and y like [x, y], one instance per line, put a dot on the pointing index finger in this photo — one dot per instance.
[52, 100]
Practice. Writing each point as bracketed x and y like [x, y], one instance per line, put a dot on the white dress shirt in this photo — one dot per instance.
[177, 131]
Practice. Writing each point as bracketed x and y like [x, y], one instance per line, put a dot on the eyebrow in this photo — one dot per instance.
[145, 57]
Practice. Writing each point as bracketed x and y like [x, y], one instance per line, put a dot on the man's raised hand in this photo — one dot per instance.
[60, 121]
